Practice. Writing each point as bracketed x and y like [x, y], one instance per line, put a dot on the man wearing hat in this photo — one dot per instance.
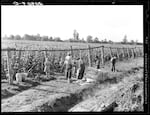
[81, 68]
[68, 69]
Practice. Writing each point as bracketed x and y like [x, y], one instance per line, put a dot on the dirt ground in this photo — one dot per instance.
[51, 94]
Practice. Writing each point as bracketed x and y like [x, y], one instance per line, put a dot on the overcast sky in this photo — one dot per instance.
[103, 21]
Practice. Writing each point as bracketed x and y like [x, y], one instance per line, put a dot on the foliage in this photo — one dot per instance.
[89, 39]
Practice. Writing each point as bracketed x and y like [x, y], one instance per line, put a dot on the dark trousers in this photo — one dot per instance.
[14, 74]
[113, 67]
[97, 66]
[81, 73]
[68, 71]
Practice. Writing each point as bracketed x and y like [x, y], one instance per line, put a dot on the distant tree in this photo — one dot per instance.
[82, 40]
[11, 37]
[76, 35]
[38, 37]
[45, 38]
[57, 39]
[50, 38]
[132, 42]
[102, 41]
[136, 41]
[70, 39]
[28, 37]
[17, 37]
[124, 41]
[5, 37]
[110, 42]
[105, 40]
[96, 40]
[89, 39]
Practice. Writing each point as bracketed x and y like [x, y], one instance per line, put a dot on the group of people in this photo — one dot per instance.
[73, 67]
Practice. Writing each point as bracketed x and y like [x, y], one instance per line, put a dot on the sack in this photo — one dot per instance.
[18, 77]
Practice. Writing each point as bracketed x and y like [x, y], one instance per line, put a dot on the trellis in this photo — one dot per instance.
[87, 54]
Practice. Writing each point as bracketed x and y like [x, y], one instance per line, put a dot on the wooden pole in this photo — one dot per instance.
[117, 52]
[135, 52]
[123, 52]
[132, 52]
[102, 55]
[80, 54]
[10, 69]
[71, 51]
[139, 51]
[45, 54]
[128, 53]
[42, 61]
[89, 56]
[110, 51]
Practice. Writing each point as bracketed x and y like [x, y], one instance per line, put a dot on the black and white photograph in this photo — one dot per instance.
[72, 58]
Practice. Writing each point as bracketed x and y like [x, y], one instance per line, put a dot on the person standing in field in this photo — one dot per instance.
[113, 63]
[74, 68]
[47, 67]
[81, 68]
[68, 66]
[15, 68]
[97, 62]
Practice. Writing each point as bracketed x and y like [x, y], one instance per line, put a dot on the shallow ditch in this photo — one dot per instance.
[66, 103]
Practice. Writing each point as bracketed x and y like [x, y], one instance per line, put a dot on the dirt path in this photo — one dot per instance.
[46, 94]
[127, 95]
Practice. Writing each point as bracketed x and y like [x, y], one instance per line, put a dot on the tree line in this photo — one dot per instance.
[75, 38]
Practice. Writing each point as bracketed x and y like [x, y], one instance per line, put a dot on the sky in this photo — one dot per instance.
[112, 22]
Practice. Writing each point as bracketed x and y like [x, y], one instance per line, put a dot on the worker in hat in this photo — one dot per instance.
[81, 68]
[97, 60]
[113, 63]
[68, 64]
[47, 67]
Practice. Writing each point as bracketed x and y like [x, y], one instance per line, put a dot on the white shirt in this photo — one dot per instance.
[68, 60]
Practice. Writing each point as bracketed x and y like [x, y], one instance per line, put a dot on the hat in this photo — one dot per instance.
[68, 53]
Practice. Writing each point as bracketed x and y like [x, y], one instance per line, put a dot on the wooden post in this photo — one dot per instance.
[53, 58]
[80, 54]
[128, 53]
[117, 52]
[135, 52]
[10, 69]
[89, 56]
[71, 51]
[45, 54]
[110, 51]
[139, 51]
[123, 52]
[42, 61]
[132, 52]
[102, 55]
